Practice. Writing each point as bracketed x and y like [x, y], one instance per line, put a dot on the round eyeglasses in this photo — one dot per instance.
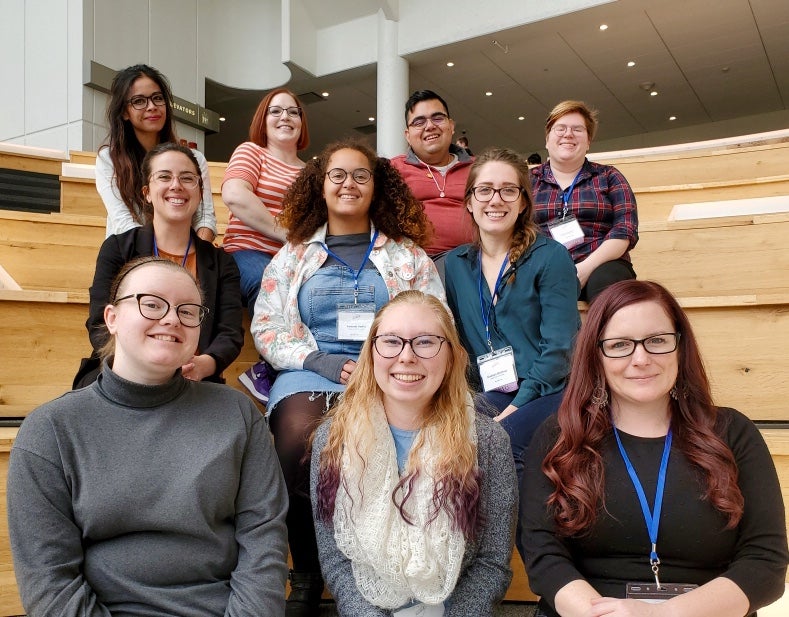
[507, 193]
[141, 102]
[360, 176]
[665, 342]
[186, 180]
[425, 346]
[437, 118]
[276, 111]
[155, 308]
[562, 129]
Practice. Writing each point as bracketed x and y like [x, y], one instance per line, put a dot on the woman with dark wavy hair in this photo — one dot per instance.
[414, 493]
[354, 231]
[140, 116]
[652, 491]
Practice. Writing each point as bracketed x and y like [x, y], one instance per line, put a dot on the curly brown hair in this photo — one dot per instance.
[394, 210]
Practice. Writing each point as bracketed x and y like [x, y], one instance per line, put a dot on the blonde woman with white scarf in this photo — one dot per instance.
[414, 494]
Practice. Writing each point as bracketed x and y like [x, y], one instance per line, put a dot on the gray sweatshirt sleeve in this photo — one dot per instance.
[336, 567]
[45, 539]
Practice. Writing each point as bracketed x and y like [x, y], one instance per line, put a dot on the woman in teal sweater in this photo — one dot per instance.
[514, 297]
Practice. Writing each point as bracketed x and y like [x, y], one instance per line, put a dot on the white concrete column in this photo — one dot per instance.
[392, 90]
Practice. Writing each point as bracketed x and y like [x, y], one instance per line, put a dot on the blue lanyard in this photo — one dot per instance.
[568, 192]
[355, 273]
[486, 314]
[652, 519]
[186, 254]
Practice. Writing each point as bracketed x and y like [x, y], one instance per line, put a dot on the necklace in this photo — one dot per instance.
[432, 175]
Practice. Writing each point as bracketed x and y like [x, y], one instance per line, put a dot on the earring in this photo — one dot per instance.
[599, 396]
[678, 392]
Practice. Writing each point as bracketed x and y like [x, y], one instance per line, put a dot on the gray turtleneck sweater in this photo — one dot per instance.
[132, 500]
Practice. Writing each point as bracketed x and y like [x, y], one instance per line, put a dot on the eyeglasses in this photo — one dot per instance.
[486, 193]
[437, 118]
[141, 102]
[561, 129]
[187, 180]
[426, 346]
[360, 176]
[155, 308]
[665, 342]
[276, 111]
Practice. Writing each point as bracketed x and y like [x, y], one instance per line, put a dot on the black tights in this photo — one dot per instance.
[292, 423]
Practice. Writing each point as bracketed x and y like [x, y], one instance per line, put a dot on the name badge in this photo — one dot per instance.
[497, 370]
[566, 231]
[354, 321]
[652, 594]
[421, 610]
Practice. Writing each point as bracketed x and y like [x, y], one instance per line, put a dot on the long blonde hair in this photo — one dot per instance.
[457, 476]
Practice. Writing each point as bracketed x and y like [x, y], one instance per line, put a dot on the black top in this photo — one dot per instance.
[693, 545]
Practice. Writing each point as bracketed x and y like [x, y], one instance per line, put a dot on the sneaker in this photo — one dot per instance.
[258, 381]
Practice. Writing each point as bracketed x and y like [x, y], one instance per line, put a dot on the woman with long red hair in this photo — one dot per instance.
[652, 492]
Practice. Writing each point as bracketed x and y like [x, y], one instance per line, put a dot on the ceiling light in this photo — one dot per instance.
[450, 64]
[521, 117]
[631, 63]
[672, 118]
[653, 93]
[488, 93]
[324, 94]
[603, 27]
[221, 118]
[371, 118]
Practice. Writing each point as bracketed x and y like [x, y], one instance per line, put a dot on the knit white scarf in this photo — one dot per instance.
[395, 562]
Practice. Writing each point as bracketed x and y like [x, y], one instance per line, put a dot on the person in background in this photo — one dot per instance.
[462, 142]
[414, 493]
[435, 170]
[257, 177]
[146, 493]
[172, 188]
[641, 482]
[354, 236]
[534, 159]
[588, 207]
[140, 116]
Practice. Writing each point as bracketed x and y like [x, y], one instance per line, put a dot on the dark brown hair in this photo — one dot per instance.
[575, 466]
[257, 129]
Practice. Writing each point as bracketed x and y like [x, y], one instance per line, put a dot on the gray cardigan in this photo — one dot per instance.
[485, 573]
[128, 499]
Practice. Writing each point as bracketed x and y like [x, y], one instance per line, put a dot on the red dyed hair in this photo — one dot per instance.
[575, 466]
[257, 129]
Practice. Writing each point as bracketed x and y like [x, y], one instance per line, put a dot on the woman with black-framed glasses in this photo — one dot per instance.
[147, 493]
[514, 296]
[414, 493]
[140, 116]
[172, 191]
[641, 489]
[354, 236]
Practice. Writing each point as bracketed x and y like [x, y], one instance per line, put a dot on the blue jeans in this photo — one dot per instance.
[251, 265]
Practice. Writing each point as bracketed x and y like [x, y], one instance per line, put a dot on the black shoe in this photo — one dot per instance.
[306, 589]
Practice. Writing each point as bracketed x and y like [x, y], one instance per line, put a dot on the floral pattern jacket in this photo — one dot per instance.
[277, 329]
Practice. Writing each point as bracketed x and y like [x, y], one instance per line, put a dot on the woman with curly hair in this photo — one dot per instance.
[414, 493]
[354, 231]
[647, 483]
[140, 116]
[514, 296]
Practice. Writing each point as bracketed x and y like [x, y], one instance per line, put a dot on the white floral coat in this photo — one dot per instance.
[279, 334]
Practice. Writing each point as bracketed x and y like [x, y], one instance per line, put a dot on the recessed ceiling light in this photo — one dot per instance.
[603, 27]
[631, 63]
[221, 118]
[653, 93]
[672, 118]
[450, 64]
[521, 117]
[371, 118]
[324, 94]
[488, 93]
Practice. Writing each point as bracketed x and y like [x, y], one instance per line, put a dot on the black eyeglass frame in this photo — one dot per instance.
[284, 110]
[410, 342]
[473, 191]
[353, 174]
[420, 122]
[139, 97]
[642, 342]
[203, 310]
